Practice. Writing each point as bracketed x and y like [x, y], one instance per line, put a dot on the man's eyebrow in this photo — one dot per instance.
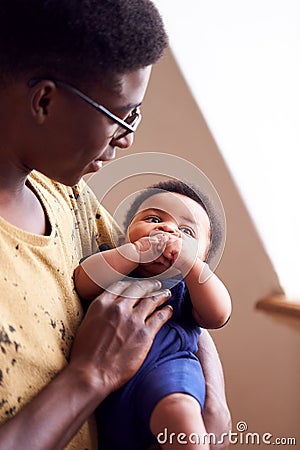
[129, 107]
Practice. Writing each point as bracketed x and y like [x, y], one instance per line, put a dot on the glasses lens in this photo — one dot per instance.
[133, 117]
[133, 120]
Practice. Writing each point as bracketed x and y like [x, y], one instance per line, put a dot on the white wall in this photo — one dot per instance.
[241, 60]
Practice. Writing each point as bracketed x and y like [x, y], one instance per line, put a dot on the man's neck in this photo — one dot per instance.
[20, 206]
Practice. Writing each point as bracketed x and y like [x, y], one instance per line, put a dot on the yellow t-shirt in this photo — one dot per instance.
[39, 308]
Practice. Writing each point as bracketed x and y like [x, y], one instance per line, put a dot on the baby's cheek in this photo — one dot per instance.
[190, 247]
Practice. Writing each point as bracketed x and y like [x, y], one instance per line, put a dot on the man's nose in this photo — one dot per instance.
[124, 142]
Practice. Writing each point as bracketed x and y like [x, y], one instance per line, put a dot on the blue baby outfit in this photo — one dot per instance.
[170, 367]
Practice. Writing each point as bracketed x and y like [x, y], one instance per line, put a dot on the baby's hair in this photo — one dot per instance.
[91, 40]
[190, 190]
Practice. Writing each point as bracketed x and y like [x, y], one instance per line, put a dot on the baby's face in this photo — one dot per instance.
[169, 212]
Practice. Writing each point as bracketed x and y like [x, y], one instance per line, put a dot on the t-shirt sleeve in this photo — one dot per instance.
[94, 225]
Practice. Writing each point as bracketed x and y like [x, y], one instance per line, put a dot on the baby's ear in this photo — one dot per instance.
[122, 239]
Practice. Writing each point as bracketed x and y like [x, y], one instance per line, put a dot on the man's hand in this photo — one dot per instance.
[110, 345]
[118, 330]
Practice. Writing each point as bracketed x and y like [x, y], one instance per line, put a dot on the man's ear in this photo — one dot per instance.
[41, 99]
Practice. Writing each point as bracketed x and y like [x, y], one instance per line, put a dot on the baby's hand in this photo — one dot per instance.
[151, 247]
[172, 248]
[181, 252]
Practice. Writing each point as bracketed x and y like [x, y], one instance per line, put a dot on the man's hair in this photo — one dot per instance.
[78, 39]
[190, 190]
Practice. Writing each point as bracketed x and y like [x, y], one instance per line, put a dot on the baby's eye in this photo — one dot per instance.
[153, 219]
[187, 231]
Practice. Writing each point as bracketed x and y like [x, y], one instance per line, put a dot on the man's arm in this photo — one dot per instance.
[216, 414]
[111, 344]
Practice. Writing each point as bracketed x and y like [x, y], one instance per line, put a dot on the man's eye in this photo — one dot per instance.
[188, 231]
[132, 116]
[153, 219]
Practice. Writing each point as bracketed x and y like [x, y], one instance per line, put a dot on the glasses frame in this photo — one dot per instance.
[130, 128]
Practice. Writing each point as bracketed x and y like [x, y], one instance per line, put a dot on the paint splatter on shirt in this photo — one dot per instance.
[39, 308]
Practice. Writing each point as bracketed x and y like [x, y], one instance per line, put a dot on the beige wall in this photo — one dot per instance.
[260, 352]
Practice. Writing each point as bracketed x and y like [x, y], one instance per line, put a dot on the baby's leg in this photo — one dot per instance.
[177, 423]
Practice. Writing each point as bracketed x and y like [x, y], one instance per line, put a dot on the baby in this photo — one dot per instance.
[170, 236]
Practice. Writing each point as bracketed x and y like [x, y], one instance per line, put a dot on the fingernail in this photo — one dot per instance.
[167, 293]
[157, 284]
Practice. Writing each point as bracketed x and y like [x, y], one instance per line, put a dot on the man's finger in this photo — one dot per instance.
[159, 318]
[138, 289]
[147, 305]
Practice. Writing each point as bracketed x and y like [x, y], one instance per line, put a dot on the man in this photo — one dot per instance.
[72, 78]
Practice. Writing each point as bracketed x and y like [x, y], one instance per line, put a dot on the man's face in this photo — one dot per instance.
[76, 137]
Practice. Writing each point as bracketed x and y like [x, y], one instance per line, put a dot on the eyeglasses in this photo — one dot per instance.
[126, 126]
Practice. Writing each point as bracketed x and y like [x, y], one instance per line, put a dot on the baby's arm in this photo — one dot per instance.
[210, 298]
[100, 270]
